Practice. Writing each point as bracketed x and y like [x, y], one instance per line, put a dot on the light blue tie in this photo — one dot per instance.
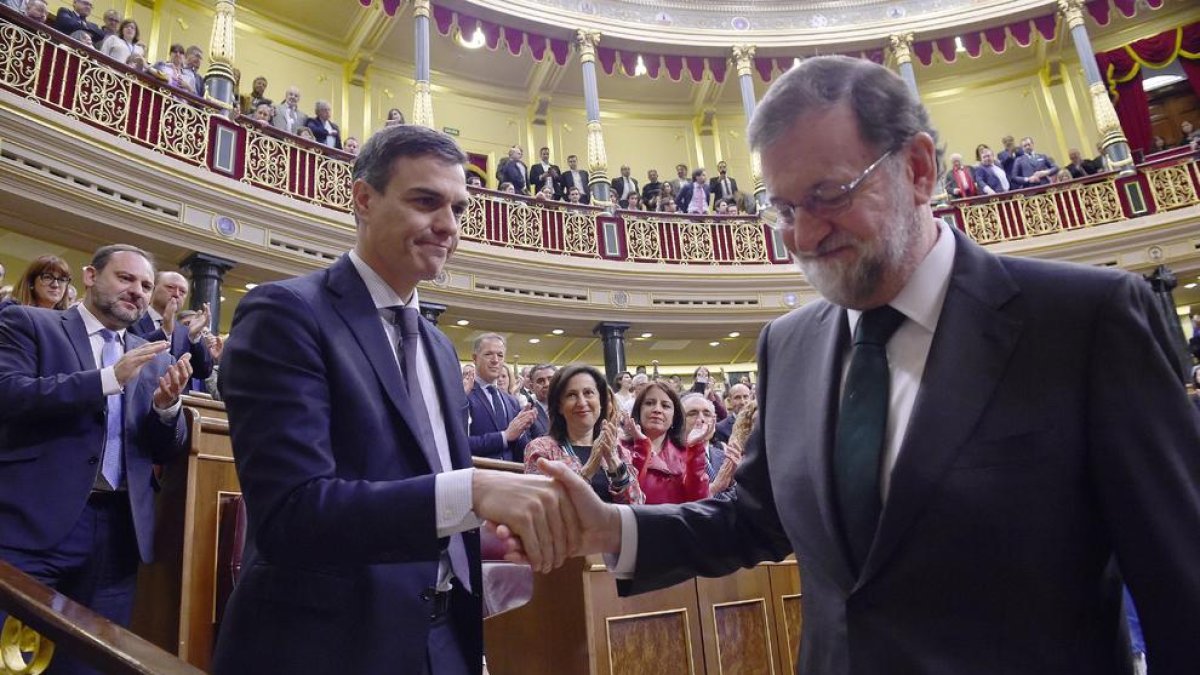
[114, 461]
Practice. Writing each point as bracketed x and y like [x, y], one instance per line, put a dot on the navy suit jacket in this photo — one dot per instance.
[67, 21]
[486, 426]
[52, 429]
[566, 183]
[618, 186]
[684, 198]
[181, 344]
[714, 189]
[514, 172]
[342, 537]
[985, 176]
[1051, 438]
[317, 127]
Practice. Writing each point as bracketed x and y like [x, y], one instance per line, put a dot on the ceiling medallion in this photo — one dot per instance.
[896, 12]
[818, 21]
[442, 279]
[225, 226]
[740, 23]
[790, 299]
[620, 298]
[587, 7]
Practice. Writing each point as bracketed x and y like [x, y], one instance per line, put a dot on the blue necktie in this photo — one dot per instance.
[861, 430]
[494, 399]
[114, 461]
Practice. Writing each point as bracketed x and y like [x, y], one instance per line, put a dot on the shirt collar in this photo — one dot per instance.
[382, 294]
[154, 314]
[922, 297]
[93, 325]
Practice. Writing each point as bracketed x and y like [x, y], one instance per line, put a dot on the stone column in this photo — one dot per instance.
[207, 272]
[743, 60]
[1113, 143]
[586, 41]
[422, 98]
[432, 311]
[900, 46]
[612, 334]
[219, 80]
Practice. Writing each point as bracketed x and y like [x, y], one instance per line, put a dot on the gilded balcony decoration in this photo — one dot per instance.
[1172, 186]
[643, 237]
[22, 650]
[333, 183]
[525, 225]
[697, 241]
[102, 95]
[748, 243]
[21, 62]
[184, 131]
[474, 219]
[580, 233]
[983, 223]
[266, 161]
[1039, 214]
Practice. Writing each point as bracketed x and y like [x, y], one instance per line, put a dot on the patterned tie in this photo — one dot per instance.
[114, 461]
[861, 427]
[407, 320]
[494, 399]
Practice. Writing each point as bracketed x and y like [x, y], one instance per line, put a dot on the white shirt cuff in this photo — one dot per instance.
[453, 499]
[108, 381]
[624, 563]
[169, 414]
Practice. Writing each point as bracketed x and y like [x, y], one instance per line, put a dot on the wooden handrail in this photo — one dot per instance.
[497, 465]
[80, 632]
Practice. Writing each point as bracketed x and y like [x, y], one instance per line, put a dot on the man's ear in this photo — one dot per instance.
[922, 162]
[361, 194]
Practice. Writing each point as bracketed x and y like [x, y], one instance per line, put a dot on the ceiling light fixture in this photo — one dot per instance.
[557, 331]
[463, 322]
[647, 335]
[714, 344]
[251, 287]
[735, 334]
[640, 68]
[476, 41]
[534, 341]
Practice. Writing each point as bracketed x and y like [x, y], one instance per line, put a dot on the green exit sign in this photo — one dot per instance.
[450, 131]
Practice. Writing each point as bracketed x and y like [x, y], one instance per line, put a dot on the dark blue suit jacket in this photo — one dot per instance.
[985, 176]
[67, 21]
[1051, 438]
[486, 427]
[52, 429]
[514, 173]
[684, 198]
[181, 344]
[342, 538]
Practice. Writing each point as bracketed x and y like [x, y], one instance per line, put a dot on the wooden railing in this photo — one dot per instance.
[42, 623]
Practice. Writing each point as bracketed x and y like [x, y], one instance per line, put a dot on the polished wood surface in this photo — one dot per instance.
[786, 603]
[79, 631]
[737, 624]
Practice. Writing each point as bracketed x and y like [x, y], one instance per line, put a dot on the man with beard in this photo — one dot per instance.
[86, 407]
[967, 453]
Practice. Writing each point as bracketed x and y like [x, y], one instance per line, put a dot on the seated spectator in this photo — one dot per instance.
[263, 113]
[124, 43]
[1063, 176]
[745, 202]
[574, 196]
[693, 198]
[721, 207]
[37, 10]
[323, 129]
[112, 23]
[306, 134]
[68, 21]
[1032, 168]
[507, 187]
[546, 194]
[351, 145]
[394, 116]
[959, 182]
[83, 37]
[473, 180]
[288, 116]
[44, 283]
[1097, 165]
[1159, 144]
[175, 71]
[667, 206]
[634, 202]
[1188, 132]
[670, 469]
[257, 97]
[581, 435]
[1077, 167]
[137, 62]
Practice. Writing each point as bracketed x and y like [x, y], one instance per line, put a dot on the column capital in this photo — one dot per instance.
[421, 8]
[743, 59]
[586, 41]
[900, 44]
[610, 328]
[1072, 12]
[432, 310]
[220, 46]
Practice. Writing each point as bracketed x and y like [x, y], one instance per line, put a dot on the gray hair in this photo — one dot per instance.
[485, 337]
[376, 157]
[888, 113]
[692, 395]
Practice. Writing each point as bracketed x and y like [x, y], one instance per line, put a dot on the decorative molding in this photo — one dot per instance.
[743, 59]
[1072, 12]
[422, 104]
[586, 41]
[900, 46]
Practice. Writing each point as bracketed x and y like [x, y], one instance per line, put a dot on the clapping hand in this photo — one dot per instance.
[199, 323]
[168, 317]
[631, 429]
[698, 432]
[216, 346]
[468, 380]
[173, 383]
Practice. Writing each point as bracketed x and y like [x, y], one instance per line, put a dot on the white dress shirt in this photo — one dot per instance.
[108, 375]
[452, 487]
[920, 301]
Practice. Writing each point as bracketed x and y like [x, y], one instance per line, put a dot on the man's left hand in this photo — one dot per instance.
[199, 323]
[173, 383]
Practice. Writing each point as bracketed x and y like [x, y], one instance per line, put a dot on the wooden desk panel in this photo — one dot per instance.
[738, 623]
[786, 603]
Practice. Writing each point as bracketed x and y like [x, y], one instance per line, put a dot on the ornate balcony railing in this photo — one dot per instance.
[46, 67]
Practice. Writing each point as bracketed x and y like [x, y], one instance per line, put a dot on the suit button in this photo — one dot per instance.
[93, 461]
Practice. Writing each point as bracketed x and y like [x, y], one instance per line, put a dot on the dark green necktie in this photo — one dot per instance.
[861, 428]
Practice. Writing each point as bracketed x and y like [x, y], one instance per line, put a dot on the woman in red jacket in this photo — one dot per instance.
[669, 469]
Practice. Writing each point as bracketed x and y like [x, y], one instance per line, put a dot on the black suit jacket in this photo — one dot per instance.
[618, 186]
[566, 182]
[535, 178]
[715, 188]
[318, 131]
[514, 172]
[67, 21]
[1050, 439]
[181, 343]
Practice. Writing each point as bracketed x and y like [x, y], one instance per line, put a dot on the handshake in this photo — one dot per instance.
[543, 520]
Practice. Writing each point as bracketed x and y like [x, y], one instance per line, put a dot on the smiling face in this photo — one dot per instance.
[49, 287]
[119, 294]
[657, 412]
[579, 404]
[489, 360]
[407, 232]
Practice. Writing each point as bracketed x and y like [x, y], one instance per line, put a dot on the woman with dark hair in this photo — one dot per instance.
[394, 116]
[124, 43]
[583, 437]
[702, 383]
[669, 470]
[623, 390]
[44, 283]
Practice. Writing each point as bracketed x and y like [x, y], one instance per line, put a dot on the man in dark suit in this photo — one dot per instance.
[539, 385]
[539, 171]
[687, 199]
[86, 408]
[1032, 169]
[574, 177]
[159, 323]
[323, 128]
[623, 186]
[1007, 159]
[347, 416]
[513, 171]
[497, 425]
[650, 190]
[67, 21]
[967, 482]
[721, 187]
[990, 178]
[736, 398]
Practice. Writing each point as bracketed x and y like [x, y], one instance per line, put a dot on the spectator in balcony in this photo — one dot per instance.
[670, 469]
[546, 194]
[83, 37]
[473, 180]
[634, 203]
[681, 177]
[693, 198]
[542, 169]
[257, 97]
[746, 203]
[69, 20]
[1188, 133]
[1007, 159]
[193, 60]
[989, 177]
[507, 188]
[1099, 164]
[574, 196]
[722, 186]
[323, 129]
[288, 116]
[351, 145]
[1077, 167]
[959, 182]
[394, 116]
[574, 177]
[651, 189]
[721, 208]
[623, 186]
[666, 193]
[1159, 144]
[512, 170]
[174, 70]
[1032, 168]
[1063, 176]
[667, 205]
[124, 43]
[263, 114]
[44, 283]
[112, 23]
[137, 62]
[36, 10]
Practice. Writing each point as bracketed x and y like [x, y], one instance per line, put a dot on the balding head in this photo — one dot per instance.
[168, 285]
[736, 398]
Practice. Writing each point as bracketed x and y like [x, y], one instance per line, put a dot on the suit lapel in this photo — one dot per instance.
[78, 336]
[971, 348]
[353, 303]
[447, 376]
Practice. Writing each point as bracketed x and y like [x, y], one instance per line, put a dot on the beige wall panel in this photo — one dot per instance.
[485, 127]
[569, 133]
[388, 89]
[650, 143]
[967, 116]
[180, 23]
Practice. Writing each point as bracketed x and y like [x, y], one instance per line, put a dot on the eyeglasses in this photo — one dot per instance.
[826, 200]
[50, 279]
